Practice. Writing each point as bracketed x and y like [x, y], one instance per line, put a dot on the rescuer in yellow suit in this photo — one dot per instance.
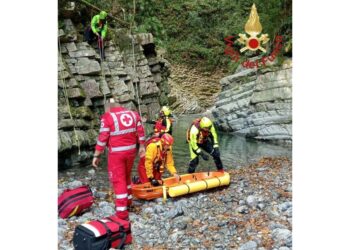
[159, 154]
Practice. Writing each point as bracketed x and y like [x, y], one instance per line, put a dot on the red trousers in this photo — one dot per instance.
[119, 171]
[142, 172]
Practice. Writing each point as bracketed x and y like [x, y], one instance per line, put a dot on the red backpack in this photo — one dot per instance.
[74, 201]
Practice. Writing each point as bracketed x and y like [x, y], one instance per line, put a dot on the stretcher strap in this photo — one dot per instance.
[123, 232]
[206, 183]
[189, 189]
[219, 180]
[121, 227]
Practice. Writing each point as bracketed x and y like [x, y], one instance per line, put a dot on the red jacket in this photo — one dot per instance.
[120, 130]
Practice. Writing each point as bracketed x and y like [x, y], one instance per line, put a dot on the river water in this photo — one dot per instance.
[235, 151]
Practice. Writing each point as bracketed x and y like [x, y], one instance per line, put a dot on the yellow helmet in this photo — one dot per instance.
[205, 123]
[166, 111]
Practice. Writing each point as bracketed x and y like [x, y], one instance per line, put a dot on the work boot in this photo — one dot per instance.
[193, 165]
[122, 215]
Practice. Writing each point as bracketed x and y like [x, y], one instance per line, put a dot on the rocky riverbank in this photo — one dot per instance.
[253, 213]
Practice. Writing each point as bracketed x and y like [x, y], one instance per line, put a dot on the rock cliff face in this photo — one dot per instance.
[193, 91]
[84, 81]
[257, 104]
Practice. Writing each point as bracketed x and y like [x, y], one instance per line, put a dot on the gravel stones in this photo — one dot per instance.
[75, 184]
[252, 201]
[177, 211]
[282, 237]
[242, 209]
[250, 245]
[91, 172]
[243, 218]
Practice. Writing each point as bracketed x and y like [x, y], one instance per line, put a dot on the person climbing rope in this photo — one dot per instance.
[120, 131]
[164, 123]
[98, 29]
[158, 155]
[202, 135]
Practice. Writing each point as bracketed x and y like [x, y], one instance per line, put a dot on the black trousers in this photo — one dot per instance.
[89, 36]
[207, 146]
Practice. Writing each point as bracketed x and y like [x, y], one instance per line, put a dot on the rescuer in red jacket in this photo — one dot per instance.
[121, 130]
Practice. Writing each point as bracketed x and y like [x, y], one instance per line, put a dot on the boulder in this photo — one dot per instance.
[86, 66]
[75, 93]
[82, 53]
[91, 88]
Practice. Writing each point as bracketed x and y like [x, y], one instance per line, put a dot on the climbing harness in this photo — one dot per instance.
[67, 100]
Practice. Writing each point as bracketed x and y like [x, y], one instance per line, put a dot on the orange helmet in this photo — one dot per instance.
[167, 139]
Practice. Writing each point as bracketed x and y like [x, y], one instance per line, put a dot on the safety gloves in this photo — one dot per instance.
[154, 182]
[216, 152]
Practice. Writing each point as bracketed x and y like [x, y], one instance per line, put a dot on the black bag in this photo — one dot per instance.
[102, 234]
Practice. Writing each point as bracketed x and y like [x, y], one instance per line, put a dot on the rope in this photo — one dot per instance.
[133, 56]
[102, 71]
[67, 100]
[134, 66]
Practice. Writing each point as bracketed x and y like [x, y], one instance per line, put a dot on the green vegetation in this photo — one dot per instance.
[193, 31]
